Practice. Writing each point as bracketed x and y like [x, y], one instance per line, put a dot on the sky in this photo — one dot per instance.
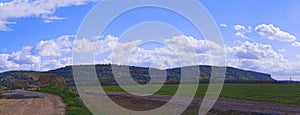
[258, 35]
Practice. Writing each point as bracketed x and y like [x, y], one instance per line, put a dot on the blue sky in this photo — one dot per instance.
[258, 35]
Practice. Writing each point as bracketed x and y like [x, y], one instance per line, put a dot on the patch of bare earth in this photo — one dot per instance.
[225, 106]
[47, 104]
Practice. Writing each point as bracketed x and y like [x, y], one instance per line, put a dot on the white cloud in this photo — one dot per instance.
[242, 31]
[47, 49]
[107, 45]
[239, 27]
[54, 63]
[274, 33]
[42, 65]
[265, 65]
[260, 57]
[5, 64]
[24, 57]
[84, 46]
[47, 54]
[64, 41]
[177, 51]
[53, 48]
[44, 9]
[248, 50]
[223, 25]
[3, 24]
[296, 44]
[52, 19]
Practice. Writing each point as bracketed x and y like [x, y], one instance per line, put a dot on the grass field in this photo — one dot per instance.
[275, 93]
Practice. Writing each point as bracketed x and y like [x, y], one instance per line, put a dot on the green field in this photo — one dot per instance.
[275, 93]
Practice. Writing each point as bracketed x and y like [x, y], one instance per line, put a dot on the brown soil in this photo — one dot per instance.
[48, 104]
[222, 106]
[225, 106]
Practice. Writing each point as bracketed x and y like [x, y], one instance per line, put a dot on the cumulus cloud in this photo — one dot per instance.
[45, 55]
[55, 63]
[107, 45]
[47, 48]
[265, 65]
[248, 50]
[53, 48]
[178, 51]
[242, 31]
[274, 33]
[44, 9]
[5, 64]
[260, 57]
[51, 54]
[296, 44]
[84, 46]
[24, 56]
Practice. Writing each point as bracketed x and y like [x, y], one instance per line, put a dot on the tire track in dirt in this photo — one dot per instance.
[222, 106]
[48, 104]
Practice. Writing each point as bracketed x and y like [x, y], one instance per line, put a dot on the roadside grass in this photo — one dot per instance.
[275, 93]
[74, 106]
[1, 96]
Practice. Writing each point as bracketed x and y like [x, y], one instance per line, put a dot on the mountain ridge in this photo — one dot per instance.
[139, 74]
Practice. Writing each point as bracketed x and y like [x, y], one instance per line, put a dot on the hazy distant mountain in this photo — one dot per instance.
[139, 74]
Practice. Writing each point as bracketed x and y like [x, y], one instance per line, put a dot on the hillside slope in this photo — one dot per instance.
[19, 79]
[139, 74]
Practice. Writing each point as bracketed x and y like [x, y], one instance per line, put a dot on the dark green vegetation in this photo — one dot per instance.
[139, 74]
[1, 96]
[20, 79]
[74, 106]
[275, 93]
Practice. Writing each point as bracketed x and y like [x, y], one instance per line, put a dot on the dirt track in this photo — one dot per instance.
[47, 104]
[222, 106]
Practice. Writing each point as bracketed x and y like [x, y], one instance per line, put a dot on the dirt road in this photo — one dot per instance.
[34, 103]
[222, 106]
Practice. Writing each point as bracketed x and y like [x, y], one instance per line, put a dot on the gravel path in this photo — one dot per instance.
[31, 103]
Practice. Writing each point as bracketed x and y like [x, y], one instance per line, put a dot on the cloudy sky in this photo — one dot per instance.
[258, 35]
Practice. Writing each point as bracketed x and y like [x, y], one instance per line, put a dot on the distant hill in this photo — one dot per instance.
[21, 79]
[139, 74]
